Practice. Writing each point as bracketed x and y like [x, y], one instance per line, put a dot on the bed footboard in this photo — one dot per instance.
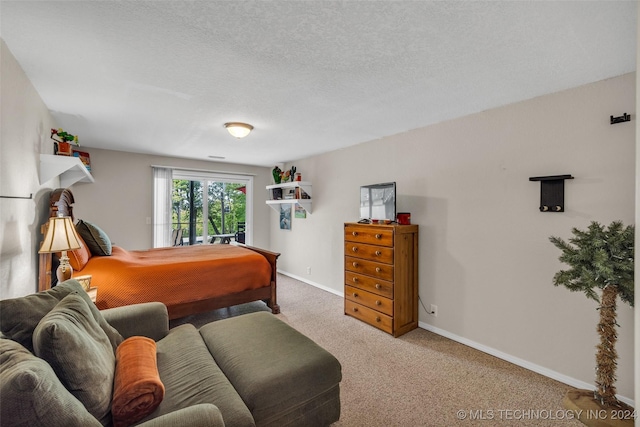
[272, 257]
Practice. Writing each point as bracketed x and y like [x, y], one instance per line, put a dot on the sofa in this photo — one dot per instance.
[63, 362]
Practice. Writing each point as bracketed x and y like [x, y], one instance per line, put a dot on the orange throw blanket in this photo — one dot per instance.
[137, 387]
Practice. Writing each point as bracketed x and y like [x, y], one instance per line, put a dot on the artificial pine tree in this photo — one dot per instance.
[601, 258]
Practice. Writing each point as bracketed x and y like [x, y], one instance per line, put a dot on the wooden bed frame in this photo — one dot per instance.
[60, 202]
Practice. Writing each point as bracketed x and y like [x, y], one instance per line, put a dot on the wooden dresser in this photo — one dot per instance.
[381, 275]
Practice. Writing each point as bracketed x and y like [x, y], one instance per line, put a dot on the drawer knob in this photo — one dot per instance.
[378, 286]
[355, 295]
[355, 309]
[354, 233]
[378, 253]
[378, 318]
[378, 269]
[378, 236]
[354, 249]
[378, 302]
[355, 279]
[355, 264]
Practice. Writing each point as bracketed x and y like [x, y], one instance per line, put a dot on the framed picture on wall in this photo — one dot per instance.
[300, 212]
[285, 216]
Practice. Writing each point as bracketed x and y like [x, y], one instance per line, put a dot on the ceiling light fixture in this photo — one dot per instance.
[237, 129]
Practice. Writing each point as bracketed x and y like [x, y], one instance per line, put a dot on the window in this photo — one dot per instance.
[209, 208]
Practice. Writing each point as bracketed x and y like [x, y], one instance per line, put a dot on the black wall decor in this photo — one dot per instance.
[551, 192]
[621, 119]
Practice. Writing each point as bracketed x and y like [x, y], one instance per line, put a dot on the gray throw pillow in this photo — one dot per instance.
[20, 316]
[96, 239]
[78, 350]
[32, 395]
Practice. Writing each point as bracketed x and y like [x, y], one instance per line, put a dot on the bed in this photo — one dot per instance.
[187, 279]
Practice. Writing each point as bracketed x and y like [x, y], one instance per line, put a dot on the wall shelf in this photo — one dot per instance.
[551, 192]
[275, 202]
[69, 169]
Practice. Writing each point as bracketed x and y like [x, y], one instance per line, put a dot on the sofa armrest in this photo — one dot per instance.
[149, 319]
[201, 415]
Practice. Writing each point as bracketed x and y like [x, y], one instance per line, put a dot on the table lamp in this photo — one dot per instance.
[61, 237]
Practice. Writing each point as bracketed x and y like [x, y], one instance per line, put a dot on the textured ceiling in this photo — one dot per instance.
[162, 77]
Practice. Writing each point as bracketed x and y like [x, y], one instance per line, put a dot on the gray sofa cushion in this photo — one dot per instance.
[20, 316]
[191, 376]
[288, 371]
[79, 351]
[32, 395]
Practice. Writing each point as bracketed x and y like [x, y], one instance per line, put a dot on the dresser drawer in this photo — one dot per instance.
[374, 253]
[370, 316]
[370, 284]
[370, 268]
[373, 235]
[371, 300]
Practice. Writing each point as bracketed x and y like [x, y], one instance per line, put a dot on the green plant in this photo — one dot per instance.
[601, 258]
[277, 174]
[64, 136]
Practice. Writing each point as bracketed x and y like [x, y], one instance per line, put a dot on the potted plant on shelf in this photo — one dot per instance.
[62, 144]
[600, 258]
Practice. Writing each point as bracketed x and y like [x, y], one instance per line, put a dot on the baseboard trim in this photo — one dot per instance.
[309, 282]
[565, 379]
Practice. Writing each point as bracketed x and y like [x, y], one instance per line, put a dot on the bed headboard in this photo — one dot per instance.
[60, 202]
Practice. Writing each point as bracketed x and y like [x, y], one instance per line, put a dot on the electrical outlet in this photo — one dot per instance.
[308, 270]
[434, 310]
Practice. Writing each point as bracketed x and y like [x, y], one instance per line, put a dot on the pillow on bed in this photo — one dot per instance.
[78, 258]
[97, 240]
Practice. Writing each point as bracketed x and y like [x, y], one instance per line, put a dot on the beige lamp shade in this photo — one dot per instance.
[61, 236]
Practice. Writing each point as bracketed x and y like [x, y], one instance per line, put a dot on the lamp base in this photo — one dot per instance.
[64, 273]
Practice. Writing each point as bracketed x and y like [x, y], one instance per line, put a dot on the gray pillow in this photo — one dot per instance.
[96, 239]
[78, 350]
[32, 395]
[20, 316]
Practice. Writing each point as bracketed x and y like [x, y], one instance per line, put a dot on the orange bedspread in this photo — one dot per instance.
[175, 275]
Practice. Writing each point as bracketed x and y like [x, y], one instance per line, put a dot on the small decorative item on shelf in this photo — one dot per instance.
[84, 158]
[62, 145]
[280, 176]
[277, 175]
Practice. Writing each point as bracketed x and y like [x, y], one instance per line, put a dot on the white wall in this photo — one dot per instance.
[25, 126]
[121, 198]
[485, 255]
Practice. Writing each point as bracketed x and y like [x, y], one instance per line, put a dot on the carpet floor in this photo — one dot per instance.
[418, 379]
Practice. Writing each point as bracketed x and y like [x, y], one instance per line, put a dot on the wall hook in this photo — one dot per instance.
[551, 192]
[621, 119]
